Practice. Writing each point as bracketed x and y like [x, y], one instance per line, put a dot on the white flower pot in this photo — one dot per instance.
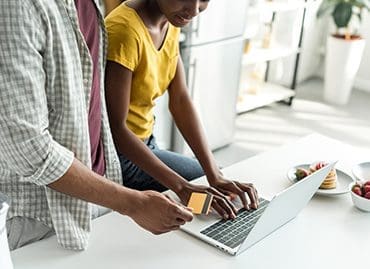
[343, 58]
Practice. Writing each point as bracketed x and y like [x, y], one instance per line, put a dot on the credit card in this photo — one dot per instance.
[200, 202]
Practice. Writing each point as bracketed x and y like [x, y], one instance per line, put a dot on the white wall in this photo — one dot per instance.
[362, 81]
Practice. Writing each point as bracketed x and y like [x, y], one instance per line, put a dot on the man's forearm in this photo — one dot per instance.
[80, 182]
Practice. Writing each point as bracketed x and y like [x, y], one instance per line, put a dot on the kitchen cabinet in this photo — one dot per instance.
[274, 31]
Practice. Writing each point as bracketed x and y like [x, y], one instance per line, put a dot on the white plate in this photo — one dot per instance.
[361, 171]
[342, 182]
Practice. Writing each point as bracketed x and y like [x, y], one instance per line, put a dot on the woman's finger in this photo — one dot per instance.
[250, 190]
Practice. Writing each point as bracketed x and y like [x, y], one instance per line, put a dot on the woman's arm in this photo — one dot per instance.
[118, 88]
[187, 120]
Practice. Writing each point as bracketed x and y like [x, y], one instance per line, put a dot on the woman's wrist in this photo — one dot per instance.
[213, 176]
[180, 186]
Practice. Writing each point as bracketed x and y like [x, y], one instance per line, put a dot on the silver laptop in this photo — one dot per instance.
[235, 236]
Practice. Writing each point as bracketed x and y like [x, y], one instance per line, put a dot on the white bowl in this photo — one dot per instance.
[361, 171]
[360, 202]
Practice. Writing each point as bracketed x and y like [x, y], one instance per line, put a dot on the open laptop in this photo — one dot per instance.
[235, 236]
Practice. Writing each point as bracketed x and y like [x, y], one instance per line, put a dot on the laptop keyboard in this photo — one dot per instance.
[233, 232]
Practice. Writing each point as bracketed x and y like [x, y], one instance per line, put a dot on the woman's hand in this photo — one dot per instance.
[220, 202]
[232, 188]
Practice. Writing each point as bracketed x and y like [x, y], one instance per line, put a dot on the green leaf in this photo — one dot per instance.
[342, 14]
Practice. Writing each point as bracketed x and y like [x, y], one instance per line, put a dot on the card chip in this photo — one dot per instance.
[200, 202]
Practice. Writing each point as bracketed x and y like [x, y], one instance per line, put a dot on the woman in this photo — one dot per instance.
[143, 62]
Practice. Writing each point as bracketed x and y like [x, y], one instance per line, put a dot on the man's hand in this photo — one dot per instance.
[230, 187]
[158, 214]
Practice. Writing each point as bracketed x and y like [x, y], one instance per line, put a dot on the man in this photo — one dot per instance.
[54, 127]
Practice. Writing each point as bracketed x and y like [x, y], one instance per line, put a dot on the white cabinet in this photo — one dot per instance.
[273, 32]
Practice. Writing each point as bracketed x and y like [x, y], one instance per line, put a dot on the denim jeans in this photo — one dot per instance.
[135, 178]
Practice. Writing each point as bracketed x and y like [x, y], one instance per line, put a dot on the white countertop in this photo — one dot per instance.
[329, 233]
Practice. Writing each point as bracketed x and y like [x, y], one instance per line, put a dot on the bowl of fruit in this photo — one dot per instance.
[360, 193]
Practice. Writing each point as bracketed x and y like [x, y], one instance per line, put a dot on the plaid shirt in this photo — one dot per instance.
[45, 83]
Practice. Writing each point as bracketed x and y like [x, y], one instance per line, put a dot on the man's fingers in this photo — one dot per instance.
[180, 222]
[175, 227]
[183, 213]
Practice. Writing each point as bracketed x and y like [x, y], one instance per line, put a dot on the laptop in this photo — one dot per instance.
[249, 227]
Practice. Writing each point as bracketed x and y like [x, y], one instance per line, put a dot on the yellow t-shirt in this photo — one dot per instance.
[130, 44]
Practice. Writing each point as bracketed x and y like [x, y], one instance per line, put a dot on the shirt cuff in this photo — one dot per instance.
[57, 163]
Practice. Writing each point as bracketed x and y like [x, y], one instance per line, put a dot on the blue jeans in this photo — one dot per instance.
[135, 178]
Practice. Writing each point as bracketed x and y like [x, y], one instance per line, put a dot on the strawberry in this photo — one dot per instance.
[357, 189]
[320, 165]
[367, 195]
[301, 173]
[367, 183]
[366, 188]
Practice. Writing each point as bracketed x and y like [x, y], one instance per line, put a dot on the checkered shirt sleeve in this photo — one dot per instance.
[45, 83]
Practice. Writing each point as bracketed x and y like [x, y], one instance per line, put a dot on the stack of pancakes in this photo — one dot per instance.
[330, 182]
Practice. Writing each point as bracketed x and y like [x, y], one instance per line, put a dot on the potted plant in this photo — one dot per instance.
[344, 48]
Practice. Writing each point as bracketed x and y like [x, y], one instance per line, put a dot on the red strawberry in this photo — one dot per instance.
[367, 195]
[367, 183]
[357, 189]
[320, 165]
[366, 188]
[301, 173]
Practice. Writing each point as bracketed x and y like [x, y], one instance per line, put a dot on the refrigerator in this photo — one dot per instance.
[211, 49]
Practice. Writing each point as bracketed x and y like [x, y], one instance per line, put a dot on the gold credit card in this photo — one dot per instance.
[200, 202]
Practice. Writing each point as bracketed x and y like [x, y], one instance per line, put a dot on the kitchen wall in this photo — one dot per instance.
[362, 81]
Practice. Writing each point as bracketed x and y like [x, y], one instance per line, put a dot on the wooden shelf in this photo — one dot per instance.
[268, 94]
[257, 55]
